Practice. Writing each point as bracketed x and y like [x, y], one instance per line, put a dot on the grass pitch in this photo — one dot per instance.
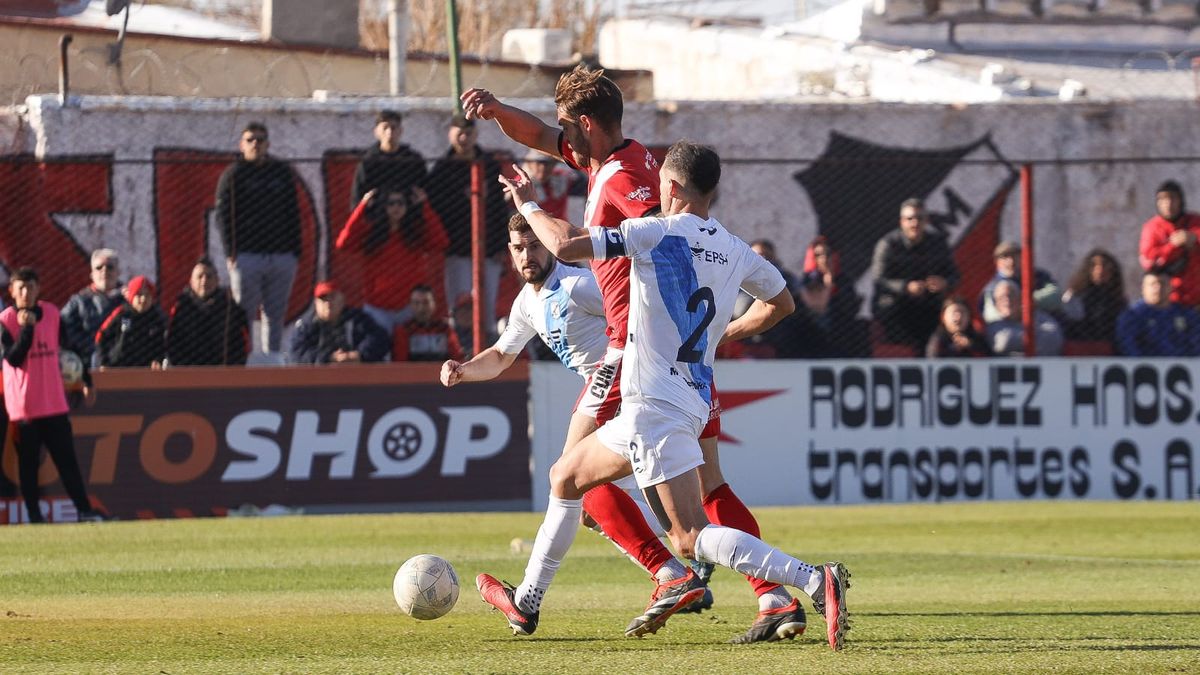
[1030, 587]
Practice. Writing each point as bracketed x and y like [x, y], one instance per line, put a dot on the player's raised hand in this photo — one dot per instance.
[451, 373]
[479, 104]
[520, 188]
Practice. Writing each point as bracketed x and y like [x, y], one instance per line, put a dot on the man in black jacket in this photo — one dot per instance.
[388, 165]
[449, 187]
[337, 333]
[259, 214]
[207, 328]
[913, 270]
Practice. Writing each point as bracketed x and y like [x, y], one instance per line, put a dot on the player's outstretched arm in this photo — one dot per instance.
[486, 365]
[562, 239]
[761, 316]
[519, 125]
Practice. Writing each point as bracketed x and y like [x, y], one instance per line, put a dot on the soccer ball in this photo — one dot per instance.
[71, 367]
[426, 587]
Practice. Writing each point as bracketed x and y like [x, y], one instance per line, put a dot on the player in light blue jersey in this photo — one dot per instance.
[686, 272]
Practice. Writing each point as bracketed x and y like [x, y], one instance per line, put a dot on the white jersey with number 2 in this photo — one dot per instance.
[684, 279]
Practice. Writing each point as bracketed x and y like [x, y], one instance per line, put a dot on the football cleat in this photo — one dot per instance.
[668, 598]
[704, 571]
[500, 595]
[93, 516]
[830, 601]
[772, 625]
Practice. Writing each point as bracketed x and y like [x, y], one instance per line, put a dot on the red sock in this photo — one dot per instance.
[724, 508]
[622, 521]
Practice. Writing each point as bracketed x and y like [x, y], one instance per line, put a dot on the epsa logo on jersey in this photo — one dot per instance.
[702, 254]
[639, 195]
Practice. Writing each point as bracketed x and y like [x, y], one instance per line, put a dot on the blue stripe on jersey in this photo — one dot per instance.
[677, 282]
[554, 310]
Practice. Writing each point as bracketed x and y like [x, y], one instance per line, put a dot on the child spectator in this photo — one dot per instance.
[1156, 326]
[135, 334]
[337, 333]
[401, 245]
[425, 337]
[207, 328]
[955, 337]
[1094, 298]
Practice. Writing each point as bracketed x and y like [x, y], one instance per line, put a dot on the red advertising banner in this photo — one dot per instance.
[202, 442]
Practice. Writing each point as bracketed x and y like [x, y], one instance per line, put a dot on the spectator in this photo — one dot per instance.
[1168, 244]
[830, 296]
[449, 186]
[796, 336]
[913, 271]
[1046, 294]
[87, 309]
[425, 337]
[135, 334]
[1156, 326]
[955, 337]
[34, 397]
[337, 333]
[1006, 335]
[551, 180]
[207, 328]
[399, 248]
[259, 214]
[1094, 298]
[462, 319]
[388, 164]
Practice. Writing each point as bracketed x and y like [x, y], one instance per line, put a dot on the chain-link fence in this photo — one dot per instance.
[243, 260]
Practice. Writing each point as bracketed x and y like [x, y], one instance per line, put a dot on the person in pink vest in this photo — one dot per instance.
[34, 397]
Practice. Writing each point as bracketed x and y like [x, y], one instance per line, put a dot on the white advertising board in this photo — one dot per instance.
[851, 432]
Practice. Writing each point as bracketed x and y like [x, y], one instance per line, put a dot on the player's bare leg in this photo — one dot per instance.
[677, 500]
[780, 616]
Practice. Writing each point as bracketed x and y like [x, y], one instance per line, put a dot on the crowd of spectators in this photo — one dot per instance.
[410, 222]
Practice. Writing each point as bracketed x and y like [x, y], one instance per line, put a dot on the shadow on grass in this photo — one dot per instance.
[991, 614]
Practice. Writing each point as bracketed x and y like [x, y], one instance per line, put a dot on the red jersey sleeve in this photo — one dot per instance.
[628, 193]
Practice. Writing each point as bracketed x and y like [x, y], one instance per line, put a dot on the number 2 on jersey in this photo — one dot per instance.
[687, 351]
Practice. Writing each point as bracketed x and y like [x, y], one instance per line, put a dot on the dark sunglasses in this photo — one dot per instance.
[105, 266]
[255, 139]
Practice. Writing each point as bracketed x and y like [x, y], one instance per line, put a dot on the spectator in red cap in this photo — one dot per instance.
[337, 333]
[425, 337]
[135, 334]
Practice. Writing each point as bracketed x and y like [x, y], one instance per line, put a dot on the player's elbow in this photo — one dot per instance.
[782, 305]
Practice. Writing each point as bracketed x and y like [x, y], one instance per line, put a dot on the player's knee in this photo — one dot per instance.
[562, 481]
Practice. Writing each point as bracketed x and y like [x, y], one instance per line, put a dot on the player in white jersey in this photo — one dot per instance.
[686, 270]
[563, 306]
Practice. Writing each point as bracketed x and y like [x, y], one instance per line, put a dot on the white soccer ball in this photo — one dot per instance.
[426, 587]
[71, 367]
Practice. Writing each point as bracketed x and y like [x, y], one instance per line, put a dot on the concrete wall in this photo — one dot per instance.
[156, 65]
[1077, 206]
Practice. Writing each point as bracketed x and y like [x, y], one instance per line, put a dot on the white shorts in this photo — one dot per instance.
[658, 440]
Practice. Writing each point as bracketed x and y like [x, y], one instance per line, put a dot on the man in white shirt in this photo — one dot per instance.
[686, 272]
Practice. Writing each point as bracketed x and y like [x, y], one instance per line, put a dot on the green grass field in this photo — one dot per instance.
[1031, 587]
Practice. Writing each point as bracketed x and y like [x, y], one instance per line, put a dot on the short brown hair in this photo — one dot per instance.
[588, 92]
[518, 224]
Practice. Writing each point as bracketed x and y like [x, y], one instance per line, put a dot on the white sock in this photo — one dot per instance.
[554, 539]
[774, 599]
[750, 555]
[672, 570]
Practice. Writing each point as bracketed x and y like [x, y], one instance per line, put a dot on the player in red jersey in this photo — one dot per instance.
[623, 183]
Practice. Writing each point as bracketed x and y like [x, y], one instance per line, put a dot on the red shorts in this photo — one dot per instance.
[601, 397]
